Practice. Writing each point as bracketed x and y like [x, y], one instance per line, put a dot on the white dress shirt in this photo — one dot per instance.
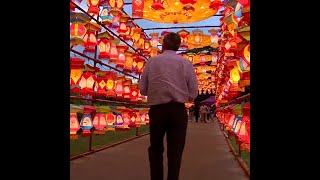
[168, 77]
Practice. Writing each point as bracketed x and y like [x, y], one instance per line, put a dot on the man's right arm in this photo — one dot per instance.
[192, 81]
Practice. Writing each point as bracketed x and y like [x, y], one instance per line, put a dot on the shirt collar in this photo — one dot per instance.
[169, 52]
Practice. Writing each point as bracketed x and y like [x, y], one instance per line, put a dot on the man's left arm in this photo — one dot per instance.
[143, 83]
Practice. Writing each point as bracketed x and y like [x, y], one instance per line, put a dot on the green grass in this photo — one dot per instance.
[245, 155]
[81, 145]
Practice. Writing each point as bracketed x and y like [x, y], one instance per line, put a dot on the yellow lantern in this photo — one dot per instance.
[234, 75]
[129, 60]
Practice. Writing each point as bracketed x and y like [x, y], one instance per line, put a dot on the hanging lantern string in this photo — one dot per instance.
[98, 61]
[98, 22]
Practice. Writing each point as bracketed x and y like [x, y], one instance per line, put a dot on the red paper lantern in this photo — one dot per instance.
[122, 29]
[90, 41]
[134, 93]
[93, 6]
[99, 123]
[184, 38]
[104, 47]
[110, 85]
[74, 126]
[157, 5]
[87, 81]
[77, 31]
[113, 55]
[133, 117]
[111, 119]
[121, 55]
[116, 4]
[102, 84]
[119, 87]
[127, 89]
[76, 65]
[202, 59]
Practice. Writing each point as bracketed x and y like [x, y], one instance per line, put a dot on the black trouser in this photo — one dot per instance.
[170, 118]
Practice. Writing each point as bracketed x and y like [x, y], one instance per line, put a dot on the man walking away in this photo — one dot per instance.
[169, 81]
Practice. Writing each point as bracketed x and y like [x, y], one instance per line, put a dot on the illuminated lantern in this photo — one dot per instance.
[147, 120]
[116, 4]
[99, 122]
[146, 46]
[154, 40]
[214, 38]
[129, 32]
[234, 75]
[77, 28]
[93, 6]
[139, 97]
[86, 122]
[154, 51]
[121, 55]
[214, 58]
[119, 87]
[76, 65]
[140, 43]
[132, 117]
[138, 119]
[129, 61]
[190, 57]
[136, 35]
[134, 63]
[110, 87]
[122, 29]
[90, 40]
[104, 45]
[126, 118]
[184, 38]
[127, 88]
[105, 15]
[116, 7]
[87, 81]
[143, 118]
[140, 64]
[157, 5]
[111, 119]
[134, 93]
[197, 36]
[119, 122]
[102, 83]
[202, 59]
[215, 4]
[113, 54]
[74, 123]
[231, 23]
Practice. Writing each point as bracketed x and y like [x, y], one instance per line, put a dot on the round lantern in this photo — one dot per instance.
[77, 28]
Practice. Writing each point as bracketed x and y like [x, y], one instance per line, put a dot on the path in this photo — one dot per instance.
[206, 157]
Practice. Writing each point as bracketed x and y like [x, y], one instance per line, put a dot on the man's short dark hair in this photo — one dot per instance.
[172, 41]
